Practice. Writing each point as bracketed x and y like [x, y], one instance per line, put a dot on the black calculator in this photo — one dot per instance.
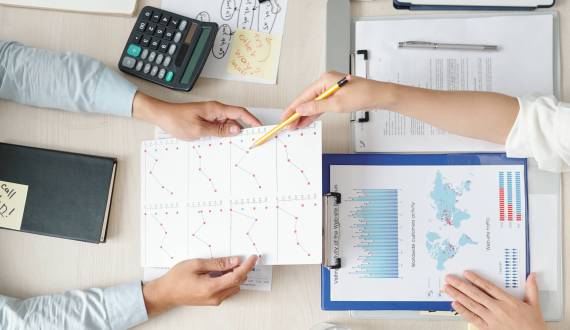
[168, 49]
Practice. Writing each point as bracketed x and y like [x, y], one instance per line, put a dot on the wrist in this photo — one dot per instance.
[155, 299]
[385, 95]
[146, 108]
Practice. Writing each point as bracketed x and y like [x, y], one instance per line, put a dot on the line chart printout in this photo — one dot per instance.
[405, 227]
[266, 17]
[215, 197]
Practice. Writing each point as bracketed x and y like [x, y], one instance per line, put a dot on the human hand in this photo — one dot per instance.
[190, 121]
[357, 94]
[197, 282]
[489, 307]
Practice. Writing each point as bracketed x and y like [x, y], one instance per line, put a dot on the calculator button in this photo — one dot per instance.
[163, 46]
[139, 65]
[182, 25]
[145, 41]
[161, 73]
[173, 23]
[169, 76]
[159, 59]
[142, 26]
[172, 49]
[147, 14]
[134, 50]
[128, 62]
[168, 34]
[137, 38]
[164, 20]
[155, 17]
[154, 43]
[159, 31]
[167, 60]
[151, 28]
[146, 68]
[177, 37]
[152, 56]
[154, 71]
[144, 53]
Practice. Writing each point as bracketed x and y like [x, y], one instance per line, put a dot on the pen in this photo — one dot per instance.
[437, 45]
[330, 91]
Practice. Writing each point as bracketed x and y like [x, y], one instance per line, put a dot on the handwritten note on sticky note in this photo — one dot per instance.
[12, 203]
[254, 54]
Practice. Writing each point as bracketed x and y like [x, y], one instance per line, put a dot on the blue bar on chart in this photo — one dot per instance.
[376, 232]
[518, 207]
[510, 195]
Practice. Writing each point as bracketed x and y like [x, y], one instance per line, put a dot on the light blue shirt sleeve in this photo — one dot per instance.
[118, 307]
[66, 81]
[71, 82]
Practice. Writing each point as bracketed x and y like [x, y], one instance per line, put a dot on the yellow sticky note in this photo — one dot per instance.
[254, 54]
[12, 203]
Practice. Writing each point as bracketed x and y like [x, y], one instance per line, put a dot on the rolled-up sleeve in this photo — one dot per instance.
[118, 307]
[66, 81]
[542, 131]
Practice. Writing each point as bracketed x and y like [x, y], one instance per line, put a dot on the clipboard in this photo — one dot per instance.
[381, 131]
[332, 201]
[411, 5]
[339, 56]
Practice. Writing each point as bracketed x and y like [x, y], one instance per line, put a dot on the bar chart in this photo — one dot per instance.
[376, 232]
[510, 197]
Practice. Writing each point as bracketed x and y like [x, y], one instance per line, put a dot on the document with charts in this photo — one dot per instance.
[404, 228]
[216, 197]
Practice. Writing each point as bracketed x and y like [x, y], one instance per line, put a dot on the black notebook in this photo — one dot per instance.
[55, 193]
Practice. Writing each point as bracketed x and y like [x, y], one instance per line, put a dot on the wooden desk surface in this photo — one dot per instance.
[33, 265]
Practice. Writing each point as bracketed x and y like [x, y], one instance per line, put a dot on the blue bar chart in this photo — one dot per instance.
[376, 232]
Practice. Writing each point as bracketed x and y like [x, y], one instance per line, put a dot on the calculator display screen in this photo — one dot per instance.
[198, 50]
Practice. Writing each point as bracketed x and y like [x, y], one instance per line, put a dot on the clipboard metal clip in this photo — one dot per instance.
[331, 230]
[359, 68]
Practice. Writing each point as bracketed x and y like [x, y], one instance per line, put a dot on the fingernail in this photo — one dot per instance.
[234, 261]
[449, 279]
[234, 129]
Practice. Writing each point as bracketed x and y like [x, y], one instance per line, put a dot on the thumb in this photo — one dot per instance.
[531, 291]
[221, 129]
[312, 108]
[216, 264]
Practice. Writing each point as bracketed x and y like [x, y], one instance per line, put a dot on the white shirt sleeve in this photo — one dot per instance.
[542, 131]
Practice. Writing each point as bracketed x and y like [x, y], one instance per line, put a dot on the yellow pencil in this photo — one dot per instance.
[330, 91]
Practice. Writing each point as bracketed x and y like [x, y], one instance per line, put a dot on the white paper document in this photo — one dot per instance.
[523, 65]
[259, 279]
[265, 17]
[404, 228]
[216, 197]
[544, 232]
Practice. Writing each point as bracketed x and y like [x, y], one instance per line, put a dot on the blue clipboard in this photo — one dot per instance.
[408, 160]
[411, 6]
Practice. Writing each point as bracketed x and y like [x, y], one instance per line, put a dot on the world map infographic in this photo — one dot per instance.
[445, 197]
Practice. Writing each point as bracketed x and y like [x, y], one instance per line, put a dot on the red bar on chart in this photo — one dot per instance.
[501, 196]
